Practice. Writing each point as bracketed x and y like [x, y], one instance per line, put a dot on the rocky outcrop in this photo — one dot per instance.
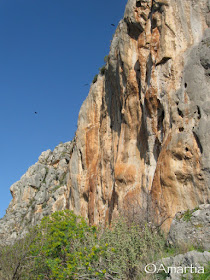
[143, 131]
[191, 228]
[40, 191]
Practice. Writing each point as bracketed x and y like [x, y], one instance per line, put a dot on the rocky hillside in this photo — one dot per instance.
[40, 191]
[143, 131]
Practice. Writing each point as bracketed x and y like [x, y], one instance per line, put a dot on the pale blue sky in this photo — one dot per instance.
[48, 50]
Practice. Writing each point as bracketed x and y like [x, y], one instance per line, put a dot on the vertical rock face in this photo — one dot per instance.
[143, 129]
[143, 135]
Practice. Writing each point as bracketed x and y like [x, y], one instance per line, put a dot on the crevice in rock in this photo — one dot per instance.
[103, 200]
[134, 29]
[199, 112]
[163, 60]
[122, 73]
[180, 112]
[138, 3]
[81, 159]
[161, 116]
[34, 187]
[156, 149]
[85, 196]
[137, 69]
[153, 20]
[157, 7]
[149, 70]
[198, 142]
[170, 29]
[111, 204]
[153, 23]
[142, 139]
[177, 155]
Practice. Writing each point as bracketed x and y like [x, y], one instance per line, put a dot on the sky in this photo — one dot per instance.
[49, 50]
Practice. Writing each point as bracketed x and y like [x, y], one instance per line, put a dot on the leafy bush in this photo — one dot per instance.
[95, 78]
[187, 215]
[106, 58]
[67, 248]
[103, 70]
[16, 259]
[64, 246]
[44, 205]
[130, 248]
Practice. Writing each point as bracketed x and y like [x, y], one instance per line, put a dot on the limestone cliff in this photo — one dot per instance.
[143, 131]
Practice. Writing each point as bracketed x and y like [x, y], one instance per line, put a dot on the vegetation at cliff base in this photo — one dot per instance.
[63, 246]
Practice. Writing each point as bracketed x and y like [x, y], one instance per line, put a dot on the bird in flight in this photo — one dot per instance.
[112, 24]
[86, 85]
[35, 112]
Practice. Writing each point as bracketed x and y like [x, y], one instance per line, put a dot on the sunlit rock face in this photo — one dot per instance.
[143, 138]
[40, 191]
[143, 131]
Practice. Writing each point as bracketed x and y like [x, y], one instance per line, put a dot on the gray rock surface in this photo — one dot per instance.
[191, 228]
[197, 80]
[192, 261]
[40, 191]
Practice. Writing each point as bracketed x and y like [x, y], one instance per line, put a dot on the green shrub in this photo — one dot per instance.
[44, 205]
[63, 178]
[64, 246]
[130, 248]
[188, 214]
[95, 78]
[106, 59]
[15, 260]
[103, 70]
[56, 188]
